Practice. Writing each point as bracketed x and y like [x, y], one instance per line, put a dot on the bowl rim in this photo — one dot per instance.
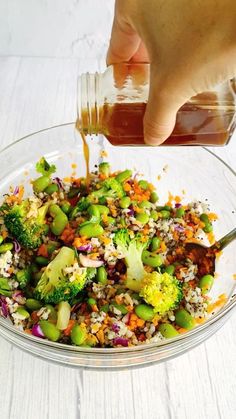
[230, 304]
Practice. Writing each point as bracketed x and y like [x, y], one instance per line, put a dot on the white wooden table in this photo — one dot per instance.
[36, 93]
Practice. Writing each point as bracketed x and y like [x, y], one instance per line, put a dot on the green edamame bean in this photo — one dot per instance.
[51, 189]
[24, 313]
[208, 228]
[184, 319]
[151, 259]
[208, 225]
[165, 214]
[142, 217]
[65, 207]
[167, 330]
[143, 184]
[204, 218]
[91, 230]
[52, 246]
[94, 213]
[206, 283]
[73, 192]
[5, 247]
[78, 334]
[59, 223]
[96, 210]
[109, 220]
[155, 244]
[52, 313]
[144, 312]
[145, 204]
[54, 210]
[101, 275]
[180, 212]
[91, 302]
[40, 184]
[50, 330]
[125, 202]
[104, 168]
[170, 269]
[1, 239]
[154, 197]
[5, 288]
[164, 208]
[124, 176]
[41, 260]
[105, 308]
[120, 307]
[154, 215]
[33, 304]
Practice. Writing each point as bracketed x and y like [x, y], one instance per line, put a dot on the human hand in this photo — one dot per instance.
[191, 47]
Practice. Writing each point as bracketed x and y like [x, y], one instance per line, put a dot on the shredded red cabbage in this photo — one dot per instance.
[179, 228]
[18, 297]
[17, 246]
[58, 181]
[3, 306]
[121, 341]
[16, 191]
[177, 205]
[37, 331]
[115, 327]
[85, 248]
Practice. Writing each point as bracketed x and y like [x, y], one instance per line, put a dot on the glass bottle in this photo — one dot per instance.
[113, 103]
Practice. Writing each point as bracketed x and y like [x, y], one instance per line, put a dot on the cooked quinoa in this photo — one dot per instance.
[103, 265]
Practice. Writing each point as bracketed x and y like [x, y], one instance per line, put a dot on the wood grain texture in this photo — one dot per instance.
[35, 93]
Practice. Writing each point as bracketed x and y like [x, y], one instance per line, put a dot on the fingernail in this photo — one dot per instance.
[153, 141]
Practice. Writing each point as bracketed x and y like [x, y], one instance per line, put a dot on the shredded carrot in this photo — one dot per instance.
[43, 251]
[177, 199]
[163, 246]
[68, 235]
[182, 330]
[189, 234]
[211, 238]
[70, 326]
[100, 336]
[218, 254]
[218, 303]
[212, 216]
[199, 320]
[4, 234]
[127, 187]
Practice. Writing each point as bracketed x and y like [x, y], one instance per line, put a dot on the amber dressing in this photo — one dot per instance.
[122, 124]
[85, 151]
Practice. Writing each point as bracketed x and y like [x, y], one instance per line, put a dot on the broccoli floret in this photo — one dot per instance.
[43, 167]
[27, 230]
[54, 285]
[81, 206]
[132, 250]
[110, 188]
[104, 168]
[162, 291]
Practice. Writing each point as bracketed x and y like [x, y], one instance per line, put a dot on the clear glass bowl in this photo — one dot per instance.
[196, 171]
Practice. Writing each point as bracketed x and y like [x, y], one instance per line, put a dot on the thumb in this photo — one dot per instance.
[160, 116]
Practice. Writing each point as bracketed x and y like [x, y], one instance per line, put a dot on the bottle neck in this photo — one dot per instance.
[88, 103]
